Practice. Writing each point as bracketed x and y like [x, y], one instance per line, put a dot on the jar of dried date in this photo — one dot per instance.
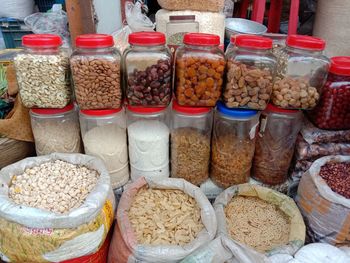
[148, 70]
[95, 65]
[233, 144]
[251, 69]
[301, 73]
[199, 70]
[275, 143]
[333, 111]
[190, 142]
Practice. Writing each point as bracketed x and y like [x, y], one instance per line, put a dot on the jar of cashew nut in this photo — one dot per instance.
[95, 65]
[301, 73]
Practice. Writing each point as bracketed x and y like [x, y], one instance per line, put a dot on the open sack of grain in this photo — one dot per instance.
[54, 208]
[161, 221]
[323, 199]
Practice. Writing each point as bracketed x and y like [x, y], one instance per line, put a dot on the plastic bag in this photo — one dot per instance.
[32, 234]
[18, 9]
[124, 247]
[326, 213]
[55, 22]
[196, 5]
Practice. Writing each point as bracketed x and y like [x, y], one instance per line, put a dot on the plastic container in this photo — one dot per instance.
[190, 142]
[42, 71]
[333, 111]
[200, 66]
[275, 144]
[251, 68]
[233, 145]
[96, 67]
[148, 135]
[148, 70]
[13, 30]
[104, 136]
[178, 26]
[301, 73]
[56, 130]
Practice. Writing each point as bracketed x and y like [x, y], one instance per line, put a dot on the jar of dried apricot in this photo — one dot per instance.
[200, 66]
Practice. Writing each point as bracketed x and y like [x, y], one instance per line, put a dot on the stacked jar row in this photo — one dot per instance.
[254, 76]
[201, 145]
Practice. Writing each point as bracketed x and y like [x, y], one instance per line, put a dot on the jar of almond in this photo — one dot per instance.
[301, 74]
[200, 66]
[251, 68]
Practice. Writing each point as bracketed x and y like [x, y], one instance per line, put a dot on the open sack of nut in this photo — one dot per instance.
[259, 219]
[161, 221]
[324, 200]
[54, 208]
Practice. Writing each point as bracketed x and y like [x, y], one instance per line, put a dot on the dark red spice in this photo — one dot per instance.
[337, 176]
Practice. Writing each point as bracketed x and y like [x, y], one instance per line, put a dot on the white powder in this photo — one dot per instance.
[149, 149]
[109, 143]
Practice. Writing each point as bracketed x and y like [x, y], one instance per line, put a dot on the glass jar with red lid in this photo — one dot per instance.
[190, 142]
[42, 70]
[333, 111]
[301, 73]
[199, 69]
[275, 143]
[96, 69]
[148, 70]
[251, 69]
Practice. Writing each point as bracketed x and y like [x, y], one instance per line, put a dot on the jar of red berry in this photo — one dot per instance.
[333, 111]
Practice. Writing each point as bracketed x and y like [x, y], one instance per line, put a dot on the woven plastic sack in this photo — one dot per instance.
[34, 235]
[196, 5]
[283, 202]
[124, 247]
[326, 213]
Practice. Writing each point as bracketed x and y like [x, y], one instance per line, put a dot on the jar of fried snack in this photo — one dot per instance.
[275, 143]
[200, 66]
[233, 145]
[190, 142]
[301, 73]
[251, 69]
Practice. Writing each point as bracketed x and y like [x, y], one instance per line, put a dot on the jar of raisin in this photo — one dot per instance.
[333, 111]
[200, 66]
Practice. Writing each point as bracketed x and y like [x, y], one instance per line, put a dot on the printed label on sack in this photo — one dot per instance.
[38, 231]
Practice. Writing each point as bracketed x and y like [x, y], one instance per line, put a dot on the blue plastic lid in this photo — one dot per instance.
[236, 113]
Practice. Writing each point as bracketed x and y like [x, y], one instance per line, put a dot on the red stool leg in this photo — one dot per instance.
[293, 17]
[258, 10]
[275, 16]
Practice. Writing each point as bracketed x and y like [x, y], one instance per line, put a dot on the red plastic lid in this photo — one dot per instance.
[147, 38]
[101, 112]
[145, 110]
[41, 40]
[273, 108]
[306, 42]
[94, 41]
[53, 111]
[251, 41]
[340, 66]
[201, 39]
[190, 110]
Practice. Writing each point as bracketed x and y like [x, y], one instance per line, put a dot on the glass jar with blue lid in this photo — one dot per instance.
[233, 145]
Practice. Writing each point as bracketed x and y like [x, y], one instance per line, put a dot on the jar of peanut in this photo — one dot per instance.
[200, 66]
[233, 145]
[148, 70]
[95, 65]
[301, 73]
[251, 69]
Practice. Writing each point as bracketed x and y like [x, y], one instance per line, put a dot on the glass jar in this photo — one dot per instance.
[42, 71]
[96, 67]
[333, 111]
[104, 136]
[275, 143]
[200, 66]
[56, 130]
[301, 73]
[233, 145]
[178, 26]
[190, 142]
[251, 69]
[148, 70]
[148, 135]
